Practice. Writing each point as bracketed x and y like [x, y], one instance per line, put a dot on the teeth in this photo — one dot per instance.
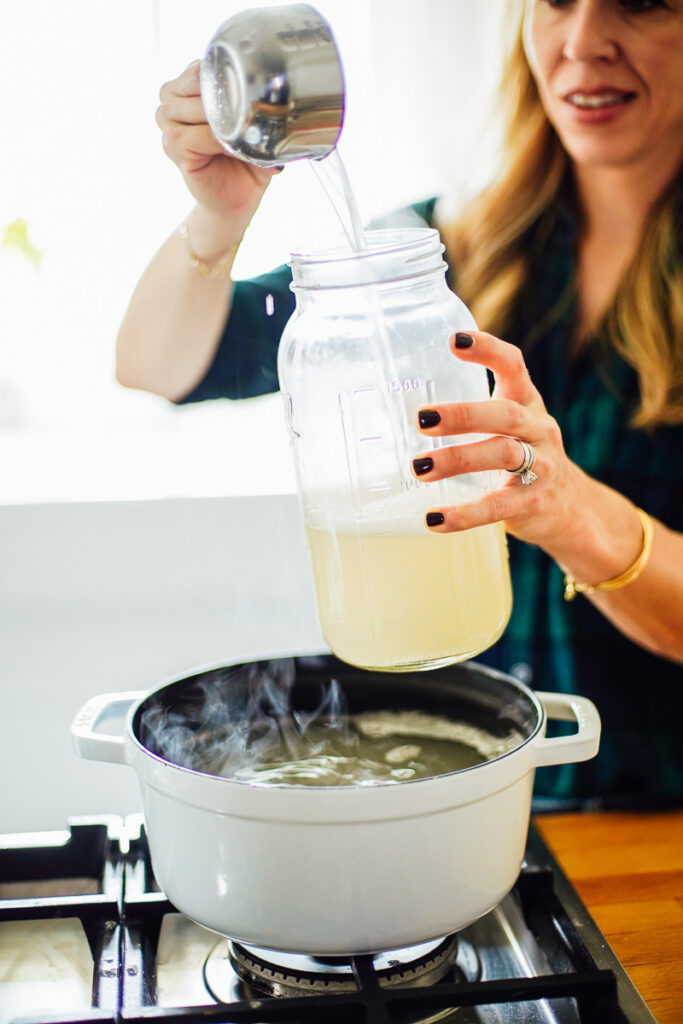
[594, 102]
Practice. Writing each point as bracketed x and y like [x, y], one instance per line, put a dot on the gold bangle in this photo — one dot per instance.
[572, 588]
[216, 270]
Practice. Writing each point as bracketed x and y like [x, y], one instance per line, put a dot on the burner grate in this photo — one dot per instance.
[102, 879]
[76, 878]
[371, 1004]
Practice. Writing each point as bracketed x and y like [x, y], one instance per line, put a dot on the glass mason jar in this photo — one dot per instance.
[366, 347]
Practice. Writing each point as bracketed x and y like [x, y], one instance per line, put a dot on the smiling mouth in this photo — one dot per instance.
[598, 101]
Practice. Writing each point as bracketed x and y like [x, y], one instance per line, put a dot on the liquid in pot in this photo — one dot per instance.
[366, 749]
[378, 748]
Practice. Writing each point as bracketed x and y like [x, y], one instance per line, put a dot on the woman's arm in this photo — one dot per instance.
[593, 532]
[175, 318]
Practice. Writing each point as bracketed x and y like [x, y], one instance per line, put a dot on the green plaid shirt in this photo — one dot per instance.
[549, 643]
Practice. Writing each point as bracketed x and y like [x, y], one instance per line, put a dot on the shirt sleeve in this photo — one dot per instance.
[245, 361]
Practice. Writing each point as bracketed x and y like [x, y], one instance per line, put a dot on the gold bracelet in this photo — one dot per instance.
[220, 268]
[572, 588]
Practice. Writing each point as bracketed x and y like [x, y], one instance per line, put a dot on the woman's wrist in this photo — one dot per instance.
[572, 587]
[603, 536]
[211, 237]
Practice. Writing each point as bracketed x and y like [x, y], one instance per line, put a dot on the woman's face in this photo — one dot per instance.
[610, 76]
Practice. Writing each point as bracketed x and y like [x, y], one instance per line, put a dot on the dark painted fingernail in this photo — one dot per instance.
[422, 466]
[428, 418]
[463, 340]
[435, 518]
[279, 167]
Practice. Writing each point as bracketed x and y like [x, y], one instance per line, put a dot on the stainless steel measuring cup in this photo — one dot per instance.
[272, 85]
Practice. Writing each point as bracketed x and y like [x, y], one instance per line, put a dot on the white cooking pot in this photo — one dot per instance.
[340, 870]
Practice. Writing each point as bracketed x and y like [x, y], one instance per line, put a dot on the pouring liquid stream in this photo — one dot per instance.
[333, 176]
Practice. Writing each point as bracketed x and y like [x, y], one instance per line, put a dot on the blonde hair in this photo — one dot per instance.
[493, 244]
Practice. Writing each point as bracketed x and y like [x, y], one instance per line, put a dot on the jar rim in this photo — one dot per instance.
[381, 242]
[393, 255]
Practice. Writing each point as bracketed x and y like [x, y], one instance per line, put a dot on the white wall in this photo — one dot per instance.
[108, 596]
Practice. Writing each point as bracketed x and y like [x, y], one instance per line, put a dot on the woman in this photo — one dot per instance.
[573, 256]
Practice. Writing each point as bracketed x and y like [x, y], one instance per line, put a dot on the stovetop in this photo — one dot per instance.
[86, 935]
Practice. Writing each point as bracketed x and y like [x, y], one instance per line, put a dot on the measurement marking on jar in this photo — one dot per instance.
[378, 437]
[363, 391]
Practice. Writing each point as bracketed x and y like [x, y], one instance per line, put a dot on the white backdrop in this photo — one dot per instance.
[82, 163]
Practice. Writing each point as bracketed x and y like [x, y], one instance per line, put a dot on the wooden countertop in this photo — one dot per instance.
[628, 870]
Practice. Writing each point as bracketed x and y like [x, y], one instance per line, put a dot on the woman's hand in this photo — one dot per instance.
[223, 185]
[175, 319]
[591, 530]
[543, 512]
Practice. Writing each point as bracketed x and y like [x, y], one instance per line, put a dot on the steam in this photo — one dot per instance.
[239, 723]
[242, 717]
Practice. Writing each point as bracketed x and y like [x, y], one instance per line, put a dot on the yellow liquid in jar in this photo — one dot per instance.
[417, 601]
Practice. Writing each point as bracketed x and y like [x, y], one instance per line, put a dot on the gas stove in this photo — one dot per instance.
[86, 935]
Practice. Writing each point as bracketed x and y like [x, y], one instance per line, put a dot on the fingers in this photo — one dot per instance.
[494, 416]
[504, 360]
[186, 84]
[186, 136]
[181, 110]
[494, 453]
[181, 102]
[505, 504]
[515, 411]
[189, 146]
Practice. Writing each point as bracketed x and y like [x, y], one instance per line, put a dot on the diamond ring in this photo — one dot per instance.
[524, 470]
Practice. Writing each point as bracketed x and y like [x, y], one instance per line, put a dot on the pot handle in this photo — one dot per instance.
[98, 746]
[581, 745]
